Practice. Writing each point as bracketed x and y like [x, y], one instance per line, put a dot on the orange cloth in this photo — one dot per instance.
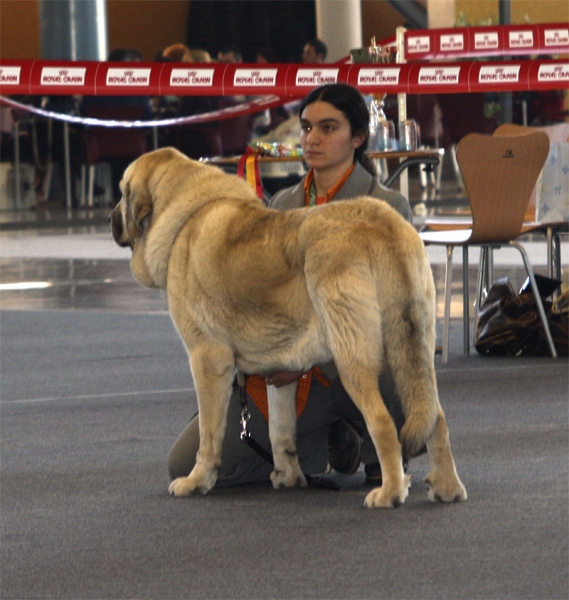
[330, 193]
[257, 389]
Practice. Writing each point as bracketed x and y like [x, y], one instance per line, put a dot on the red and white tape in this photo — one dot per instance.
[497, 40]
[286, 81]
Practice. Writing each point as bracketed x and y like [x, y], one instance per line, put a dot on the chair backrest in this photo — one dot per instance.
[558, 133]
[499, 174]
[107, 143]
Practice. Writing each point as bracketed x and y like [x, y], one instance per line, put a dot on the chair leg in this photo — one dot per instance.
[456, 168]
[91, 185]
[553, 254]
[448, 286]
[439, 176]
[465, 302]
[556, 253]
[83, 177]
[537, 297]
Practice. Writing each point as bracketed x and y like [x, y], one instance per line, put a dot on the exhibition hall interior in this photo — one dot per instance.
[468, 106]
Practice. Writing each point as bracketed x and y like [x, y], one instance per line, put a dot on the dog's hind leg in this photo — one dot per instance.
[442, 479]
[213, 372]
[410, 341]
[282, 433]
[362, 386]
[346, 305]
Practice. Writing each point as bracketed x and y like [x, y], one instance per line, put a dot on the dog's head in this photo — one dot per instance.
[161, 191]
[148, 184]
[131, 216]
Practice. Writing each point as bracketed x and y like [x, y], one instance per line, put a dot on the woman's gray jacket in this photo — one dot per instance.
[359, 183]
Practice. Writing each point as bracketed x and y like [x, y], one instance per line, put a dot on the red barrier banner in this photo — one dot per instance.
[496, 40]
[45, 78]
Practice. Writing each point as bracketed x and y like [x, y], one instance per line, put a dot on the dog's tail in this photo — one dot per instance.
[410, 354]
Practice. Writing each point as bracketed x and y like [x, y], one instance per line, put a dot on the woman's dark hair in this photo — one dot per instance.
[348, 100]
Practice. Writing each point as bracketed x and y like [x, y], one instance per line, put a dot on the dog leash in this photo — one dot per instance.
[246, 437]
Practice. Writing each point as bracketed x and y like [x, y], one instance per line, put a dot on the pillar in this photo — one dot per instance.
[73, 29]
[339, 26]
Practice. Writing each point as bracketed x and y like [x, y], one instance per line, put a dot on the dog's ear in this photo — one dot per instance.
[141, 207]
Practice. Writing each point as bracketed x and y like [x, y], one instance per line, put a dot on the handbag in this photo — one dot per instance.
[509, 323]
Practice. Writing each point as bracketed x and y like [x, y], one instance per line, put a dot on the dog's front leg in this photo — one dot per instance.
[282, 433]
[213, 385]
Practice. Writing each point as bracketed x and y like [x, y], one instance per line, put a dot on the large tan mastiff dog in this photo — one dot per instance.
[260, 290]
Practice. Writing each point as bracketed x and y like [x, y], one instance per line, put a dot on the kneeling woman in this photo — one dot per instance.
[330, 430]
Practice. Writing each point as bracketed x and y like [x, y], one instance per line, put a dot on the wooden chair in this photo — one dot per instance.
[499, 174]
[552, 230]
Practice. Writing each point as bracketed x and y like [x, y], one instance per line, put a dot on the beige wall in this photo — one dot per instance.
[522, 11]
[148, 25]
[19, 29]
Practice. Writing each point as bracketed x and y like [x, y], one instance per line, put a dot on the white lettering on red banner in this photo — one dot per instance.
[63, 76]
[379, 76]
[128, 76]
[316, 76]
[521, 39]
[494, 74]
[556, 37]
[434, 75]
[553, 73]
[452, 42]
[262, 77]
[418, 44]
[488, 40]
[10, 75]
[192, 77]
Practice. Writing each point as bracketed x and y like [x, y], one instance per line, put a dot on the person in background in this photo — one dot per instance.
[120, 55]
[314, 51]
[271, 118]
[229, 54]
[196, 140]
[144, 102]
[177, 53]
[330, 429]
[236, 132]
[267, 56]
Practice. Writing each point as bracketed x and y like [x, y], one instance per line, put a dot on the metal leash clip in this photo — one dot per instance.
[245, 416]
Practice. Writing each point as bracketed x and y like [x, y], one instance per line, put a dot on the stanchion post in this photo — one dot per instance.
[402, 105]
[68, 199]
[17, 174]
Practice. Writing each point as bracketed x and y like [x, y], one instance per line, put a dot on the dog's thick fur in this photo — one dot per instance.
[261, 290]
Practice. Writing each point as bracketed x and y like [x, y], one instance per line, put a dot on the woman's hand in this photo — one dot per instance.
[282, 378]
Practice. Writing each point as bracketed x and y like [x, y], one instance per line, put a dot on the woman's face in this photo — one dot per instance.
[326, 137]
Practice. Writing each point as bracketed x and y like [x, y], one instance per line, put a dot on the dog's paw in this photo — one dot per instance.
[289, 477]
[388, 496]
[445, 488]
[181, 487]
[199, 479]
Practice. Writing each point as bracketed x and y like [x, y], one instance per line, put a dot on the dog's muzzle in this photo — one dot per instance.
[118, 228]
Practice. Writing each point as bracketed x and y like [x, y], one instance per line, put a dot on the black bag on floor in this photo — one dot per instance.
[509, 324]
